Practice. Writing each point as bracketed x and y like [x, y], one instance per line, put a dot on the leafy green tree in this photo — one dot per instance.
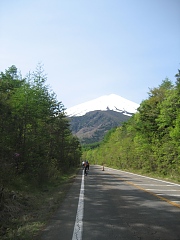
[35, 138]
[149, 141]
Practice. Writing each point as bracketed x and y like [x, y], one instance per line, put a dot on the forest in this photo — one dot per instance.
[39, 155]
[36, 143]
[149, 142]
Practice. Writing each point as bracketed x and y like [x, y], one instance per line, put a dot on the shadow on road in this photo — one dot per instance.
[117, 210]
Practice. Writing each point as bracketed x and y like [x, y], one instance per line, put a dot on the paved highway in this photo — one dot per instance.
[116, 205]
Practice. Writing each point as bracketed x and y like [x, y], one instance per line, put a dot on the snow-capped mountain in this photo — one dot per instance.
[107, 102]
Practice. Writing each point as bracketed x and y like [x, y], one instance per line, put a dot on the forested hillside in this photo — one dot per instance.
[36, 143]
[149, 142]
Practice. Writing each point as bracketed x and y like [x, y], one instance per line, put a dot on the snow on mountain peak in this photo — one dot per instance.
[106, 102]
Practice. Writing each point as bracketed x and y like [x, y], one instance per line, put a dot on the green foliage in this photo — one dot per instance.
[90, 146]
[149, 141]
[27, 208]
[36, 142]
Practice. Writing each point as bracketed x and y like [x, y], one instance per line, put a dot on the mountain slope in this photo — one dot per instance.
[91, 120]
[92, 126]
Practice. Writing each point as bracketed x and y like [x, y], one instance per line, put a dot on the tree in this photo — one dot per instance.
[34, 127]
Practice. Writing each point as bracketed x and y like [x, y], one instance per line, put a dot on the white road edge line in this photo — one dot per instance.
[160, 190]
[148, 184]
[171, 195]
[78, 226]
[175, 184]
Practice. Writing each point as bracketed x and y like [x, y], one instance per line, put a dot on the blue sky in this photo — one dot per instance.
[91, 48]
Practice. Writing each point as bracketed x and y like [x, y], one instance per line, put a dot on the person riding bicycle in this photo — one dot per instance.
[86, 164]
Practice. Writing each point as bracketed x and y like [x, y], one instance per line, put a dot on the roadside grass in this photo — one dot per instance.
[25, 212]
[27, 209]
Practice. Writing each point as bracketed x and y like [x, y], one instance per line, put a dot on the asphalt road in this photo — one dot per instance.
[112, 204]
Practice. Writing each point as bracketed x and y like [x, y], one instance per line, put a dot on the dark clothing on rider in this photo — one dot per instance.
[86, 167]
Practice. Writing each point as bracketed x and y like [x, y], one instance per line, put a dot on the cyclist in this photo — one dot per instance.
[86, 167]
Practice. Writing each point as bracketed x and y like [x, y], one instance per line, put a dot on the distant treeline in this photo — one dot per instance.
[150, 140]
[35, 139]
